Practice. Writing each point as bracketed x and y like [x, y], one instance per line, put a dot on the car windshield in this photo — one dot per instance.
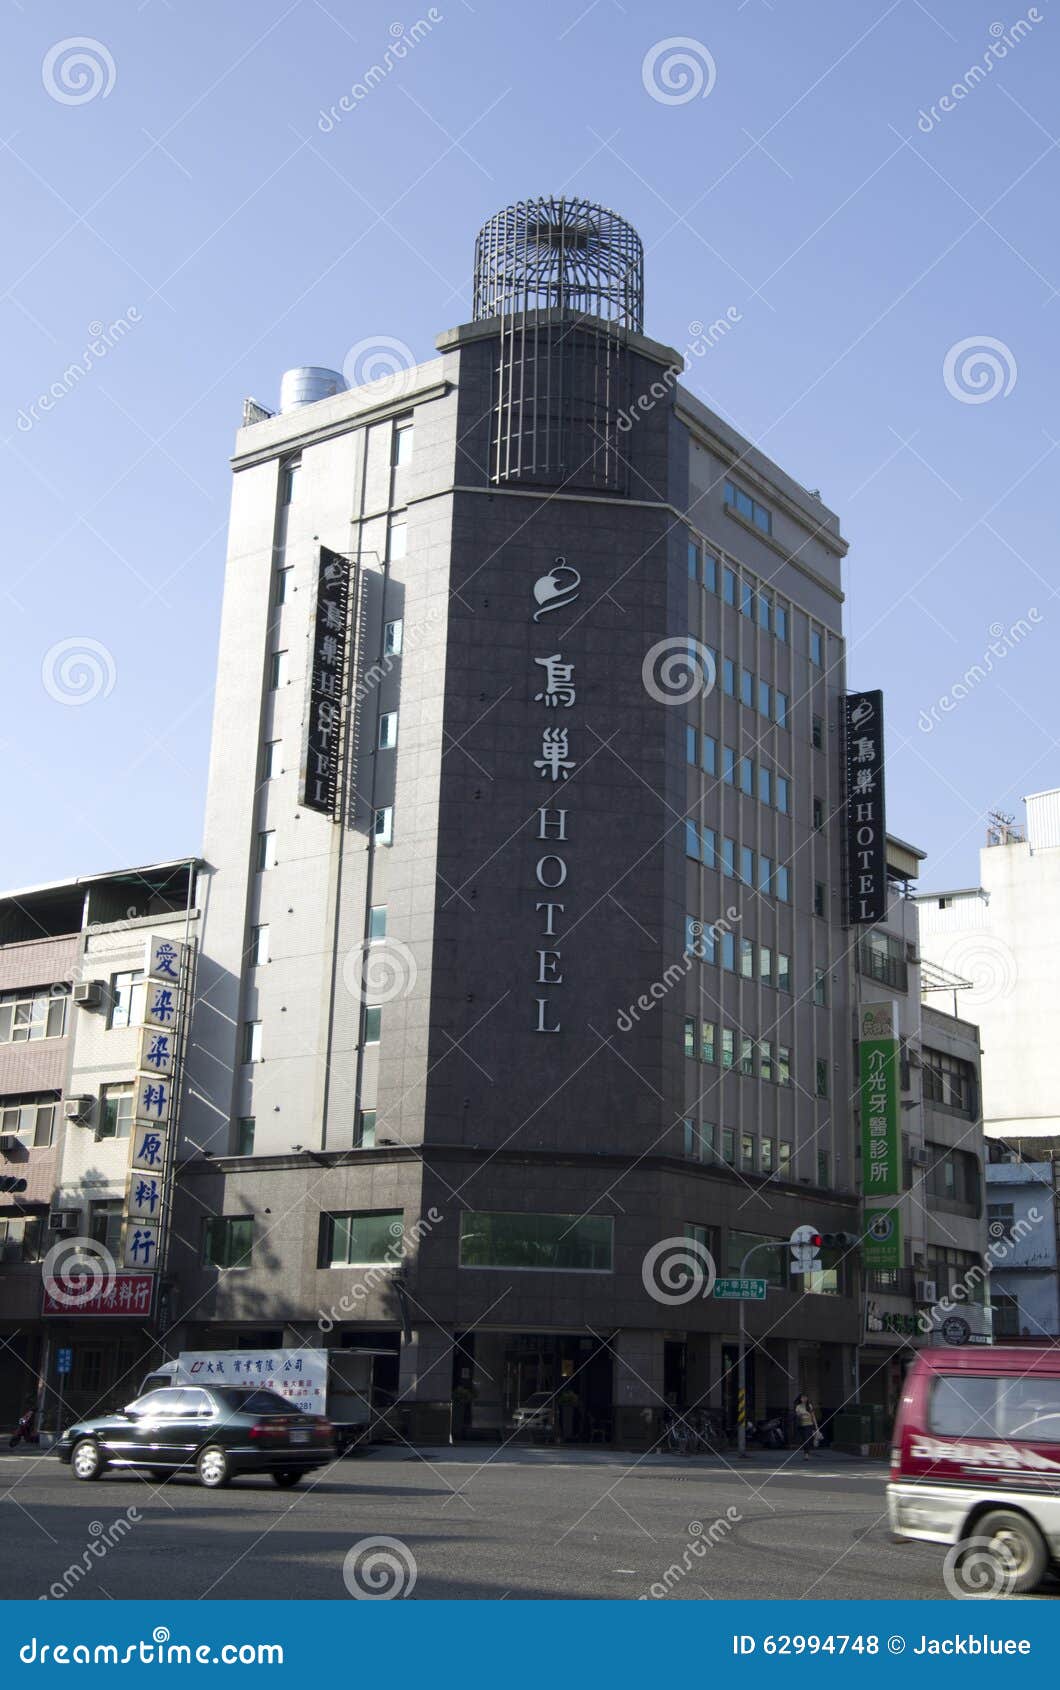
[253, 1402]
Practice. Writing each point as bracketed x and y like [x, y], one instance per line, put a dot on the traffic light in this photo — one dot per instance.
[840, 1240]
[8, 1182]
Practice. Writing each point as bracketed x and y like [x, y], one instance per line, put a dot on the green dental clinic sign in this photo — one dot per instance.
[881, 1146]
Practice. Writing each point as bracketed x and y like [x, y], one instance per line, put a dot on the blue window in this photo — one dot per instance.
[728, 856]
[710, 573]
[747, 865]
[710, 754]
[782, 883]
[728, 677]
[728, 951]
[691, 748]
[747, 776]
[743, 504]
[693, 939]
[747, 688]
[692, 840]
[765, 785]
[765, 874]
[780, 710]
[693, 560]
[710, 848]
[728, 583]
[747, 599]
[780, 622]
[816, 652]
[782, 787]
[765, 699]
[763, 612]
[728, 765]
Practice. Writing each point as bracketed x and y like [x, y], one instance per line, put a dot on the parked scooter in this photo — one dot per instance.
[24, 1432]
[769, 1432]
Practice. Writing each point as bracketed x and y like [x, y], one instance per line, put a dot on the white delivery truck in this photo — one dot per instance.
[338, 1383]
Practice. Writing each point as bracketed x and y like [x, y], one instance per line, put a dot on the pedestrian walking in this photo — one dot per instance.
[806, 1424]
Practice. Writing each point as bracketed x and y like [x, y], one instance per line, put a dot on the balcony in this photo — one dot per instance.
[886, 966]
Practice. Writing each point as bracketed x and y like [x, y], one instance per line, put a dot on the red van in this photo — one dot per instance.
[976, 1454]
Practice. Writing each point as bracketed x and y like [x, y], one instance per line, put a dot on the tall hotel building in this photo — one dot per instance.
[524, 965]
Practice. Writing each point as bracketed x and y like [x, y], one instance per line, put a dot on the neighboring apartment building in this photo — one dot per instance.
[72, 971]
[995, 944]
[940, 1292]
[521, 957]
[1022, 1223]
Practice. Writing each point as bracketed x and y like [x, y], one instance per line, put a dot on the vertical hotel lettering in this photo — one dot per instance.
[555, 693]
[866, 824]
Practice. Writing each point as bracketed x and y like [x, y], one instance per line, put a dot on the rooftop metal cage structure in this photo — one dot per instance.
[565, 278]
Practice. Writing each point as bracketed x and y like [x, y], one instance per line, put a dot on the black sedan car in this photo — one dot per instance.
[215, 1433]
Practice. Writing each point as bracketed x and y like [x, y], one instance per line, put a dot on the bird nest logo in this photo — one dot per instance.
[381, 362]
[990, 966]
[677, 670]
[979, 369]
[76, 1271]
[678, 70]
[78, 70]
[77, 671]
[380, 971]
[379, 1569]
[677, 1270]
[983, 1567]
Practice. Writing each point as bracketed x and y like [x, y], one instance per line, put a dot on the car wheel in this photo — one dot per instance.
[287, 1477]
[213, 1467]
[86, 1460]
[1018, 1544]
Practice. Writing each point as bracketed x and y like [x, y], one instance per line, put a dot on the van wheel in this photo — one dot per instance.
[1018, 1545]
[86, 1462]
[213, 1467]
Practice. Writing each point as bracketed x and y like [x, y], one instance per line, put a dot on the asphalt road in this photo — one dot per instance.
[516, 1524]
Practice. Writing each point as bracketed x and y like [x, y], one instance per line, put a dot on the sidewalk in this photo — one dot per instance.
[537, 1455]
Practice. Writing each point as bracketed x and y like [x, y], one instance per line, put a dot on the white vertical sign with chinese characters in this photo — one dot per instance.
[153, 1103]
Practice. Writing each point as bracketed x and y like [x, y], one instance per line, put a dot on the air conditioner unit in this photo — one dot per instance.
[920, 1156]
[9, 1142]
[64, 1220]
[88, 994]
[925, 1291]
[911, 953]
[77, 1109]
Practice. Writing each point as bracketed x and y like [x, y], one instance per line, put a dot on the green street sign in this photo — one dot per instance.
[740, 1290]
[881, 1249]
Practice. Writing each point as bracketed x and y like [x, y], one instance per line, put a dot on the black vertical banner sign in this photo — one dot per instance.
[327, 685]
[866, 821]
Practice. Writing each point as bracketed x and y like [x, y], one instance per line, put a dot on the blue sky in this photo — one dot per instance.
[196, 201]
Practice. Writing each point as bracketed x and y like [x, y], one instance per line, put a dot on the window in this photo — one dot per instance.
[766, 1162]
[949, 1083]
[359, 1238]
[570, 1243]
[782, 787]
[388, 726]
[765, 699]
[277, 669]
[690, 1035]
[693, 560]
[820, 1070]
[728, 585]
[747, 599]
[747, 959]
[783, 972]
[783, 1066]
[270, 758]
[691, 746]
[765, 785]
[373, 1022]
[747, 1055]
[816, 648]
[747, 688]
[30, 1117]
[818, 813]
[227, 1241]
[747, 865]
[710, 755]
[104, 1224]
[728, 951]
[365, 1139]
[251, 1041]
[768, 1264]
[383, 825]
[116, 1110]
[1006, 1314]
[710, 573]
[290, 480]
[26, 1016]
[127, 993]
[780, 622]
[710, 848]
[953, 1180]
[265, 853]
[402, 443]
[728, 1049]
[728, 677]
[728, 856]
[820, 987]
[747, 1152]
[707, 1038]
[765, 874]
[283, 586]
[780, 709]
[817, 732]
[782, 886]
[822, 1167]
[763, 612]
[746, 776]
[950, 1268]
[882, 957]
[751, 511]
[259, 944]
[245, 1135]
[784, 1156]
[728, 765]
[19, 1240]
[393, 638]
[377, 921]
[820, 897]
[765, 1059]
[397, 537]
[692, 840]
[765, 965]
[703, 1237]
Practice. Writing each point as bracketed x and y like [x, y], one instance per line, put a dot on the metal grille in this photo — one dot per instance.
[566, 280]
